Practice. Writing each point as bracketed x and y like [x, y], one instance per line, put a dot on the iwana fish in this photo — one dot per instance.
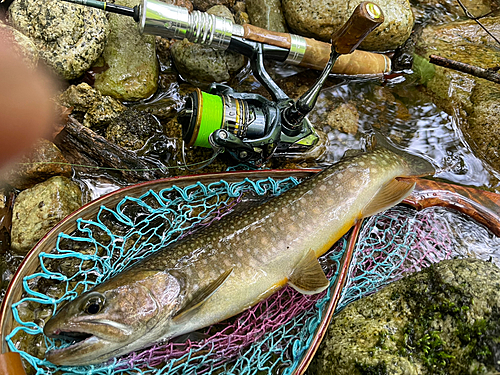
[228, 267]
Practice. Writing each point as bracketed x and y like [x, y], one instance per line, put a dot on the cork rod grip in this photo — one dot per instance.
[366, 17]
[317, 53]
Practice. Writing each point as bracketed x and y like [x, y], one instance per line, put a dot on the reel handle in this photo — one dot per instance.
[365, 18]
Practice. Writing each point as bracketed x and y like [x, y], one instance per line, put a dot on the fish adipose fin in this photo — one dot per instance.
[200, 297]
[389, 195]
[308, 277]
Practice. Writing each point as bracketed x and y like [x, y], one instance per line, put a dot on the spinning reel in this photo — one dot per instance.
[249, 126]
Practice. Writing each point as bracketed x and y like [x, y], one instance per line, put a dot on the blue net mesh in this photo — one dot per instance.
[269, 338]
[262, 339]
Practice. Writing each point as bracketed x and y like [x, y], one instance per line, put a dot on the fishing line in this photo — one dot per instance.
[204, 162]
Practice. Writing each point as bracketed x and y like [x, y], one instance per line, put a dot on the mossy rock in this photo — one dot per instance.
[442, 320]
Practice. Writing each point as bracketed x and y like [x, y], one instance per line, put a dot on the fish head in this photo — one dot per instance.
[113, 318]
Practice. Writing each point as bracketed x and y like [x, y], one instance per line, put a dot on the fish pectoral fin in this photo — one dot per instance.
[389, 195]
[308, 277]
[200, 297]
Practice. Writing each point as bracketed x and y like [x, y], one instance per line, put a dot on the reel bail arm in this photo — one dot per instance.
[365, 18]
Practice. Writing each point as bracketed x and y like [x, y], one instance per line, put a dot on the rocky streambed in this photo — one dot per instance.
[121, 92]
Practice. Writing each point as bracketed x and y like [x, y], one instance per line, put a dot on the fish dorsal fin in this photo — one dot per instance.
[389, 195]
[308, 277]
[201, 296]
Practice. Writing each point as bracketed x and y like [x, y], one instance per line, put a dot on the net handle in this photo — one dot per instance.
[482, 206]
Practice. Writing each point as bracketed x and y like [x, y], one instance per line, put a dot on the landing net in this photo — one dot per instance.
[270, 338]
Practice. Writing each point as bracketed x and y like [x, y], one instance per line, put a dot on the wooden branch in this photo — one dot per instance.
[476, 71]
[83, 147]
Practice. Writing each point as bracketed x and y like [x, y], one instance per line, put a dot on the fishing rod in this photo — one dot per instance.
[249, 126]
[155, 17]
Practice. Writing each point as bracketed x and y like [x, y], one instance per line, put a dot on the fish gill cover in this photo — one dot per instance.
[271, 337]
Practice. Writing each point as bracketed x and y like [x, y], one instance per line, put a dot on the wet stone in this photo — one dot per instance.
[132, 129]
[444, 11]
[69, 37]
[102, 112]
[22, 45]
[81, 97]
[90, 107]
[40, 208]
[131, 57]
[267, 14]
[44, 161]
[344, 118]
[483, 127]
[200, 64]
[319, 19]
[205, 5]
[442, 320]
[474, 100]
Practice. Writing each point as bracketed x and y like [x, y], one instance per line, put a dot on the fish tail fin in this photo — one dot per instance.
[418, 166]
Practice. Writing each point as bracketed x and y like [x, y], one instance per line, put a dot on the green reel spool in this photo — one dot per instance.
[202, 115]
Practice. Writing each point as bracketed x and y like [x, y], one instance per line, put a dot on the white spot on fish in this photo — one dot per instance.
[322, 188]
[316, 210]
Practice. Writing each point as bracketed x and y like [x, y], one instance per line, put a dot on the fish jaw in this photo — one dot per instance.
[132, 316]
[81, 352]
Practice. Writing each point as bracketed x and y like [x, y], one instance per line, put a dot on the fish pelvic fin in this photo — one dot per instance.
[200, 297]
[389, 195]
[308, 277]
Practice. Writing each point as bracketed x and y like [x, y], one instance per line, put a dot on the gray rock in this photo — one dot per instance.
[319, 19]
[44, 161]
[474, 100]
[23, 45]
[442, 320]
[444, 11]
[241, 16]
[267, 14]
[205, 5]
[81, 97]
[39, 209]
[482, 128]
[101, 113]
[344, 118]
[132, 129]
[90, 107]
[131, 57]
[200, 64]
[68, 37]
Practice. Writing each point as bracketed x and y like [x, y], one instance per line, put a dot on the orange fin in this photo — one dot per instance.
[308, 277]
[389, 195]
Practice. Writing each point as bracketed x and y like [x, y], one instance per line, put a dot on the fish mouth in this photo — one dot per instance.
[70, 336]
[83, 348]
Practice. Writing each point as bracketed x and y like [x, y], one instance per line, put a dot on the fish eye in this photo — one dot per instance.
[94, 304]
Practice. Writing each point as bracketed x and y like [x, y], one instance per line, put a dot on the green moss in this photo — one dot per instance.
[440, 352]
[365, 369]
